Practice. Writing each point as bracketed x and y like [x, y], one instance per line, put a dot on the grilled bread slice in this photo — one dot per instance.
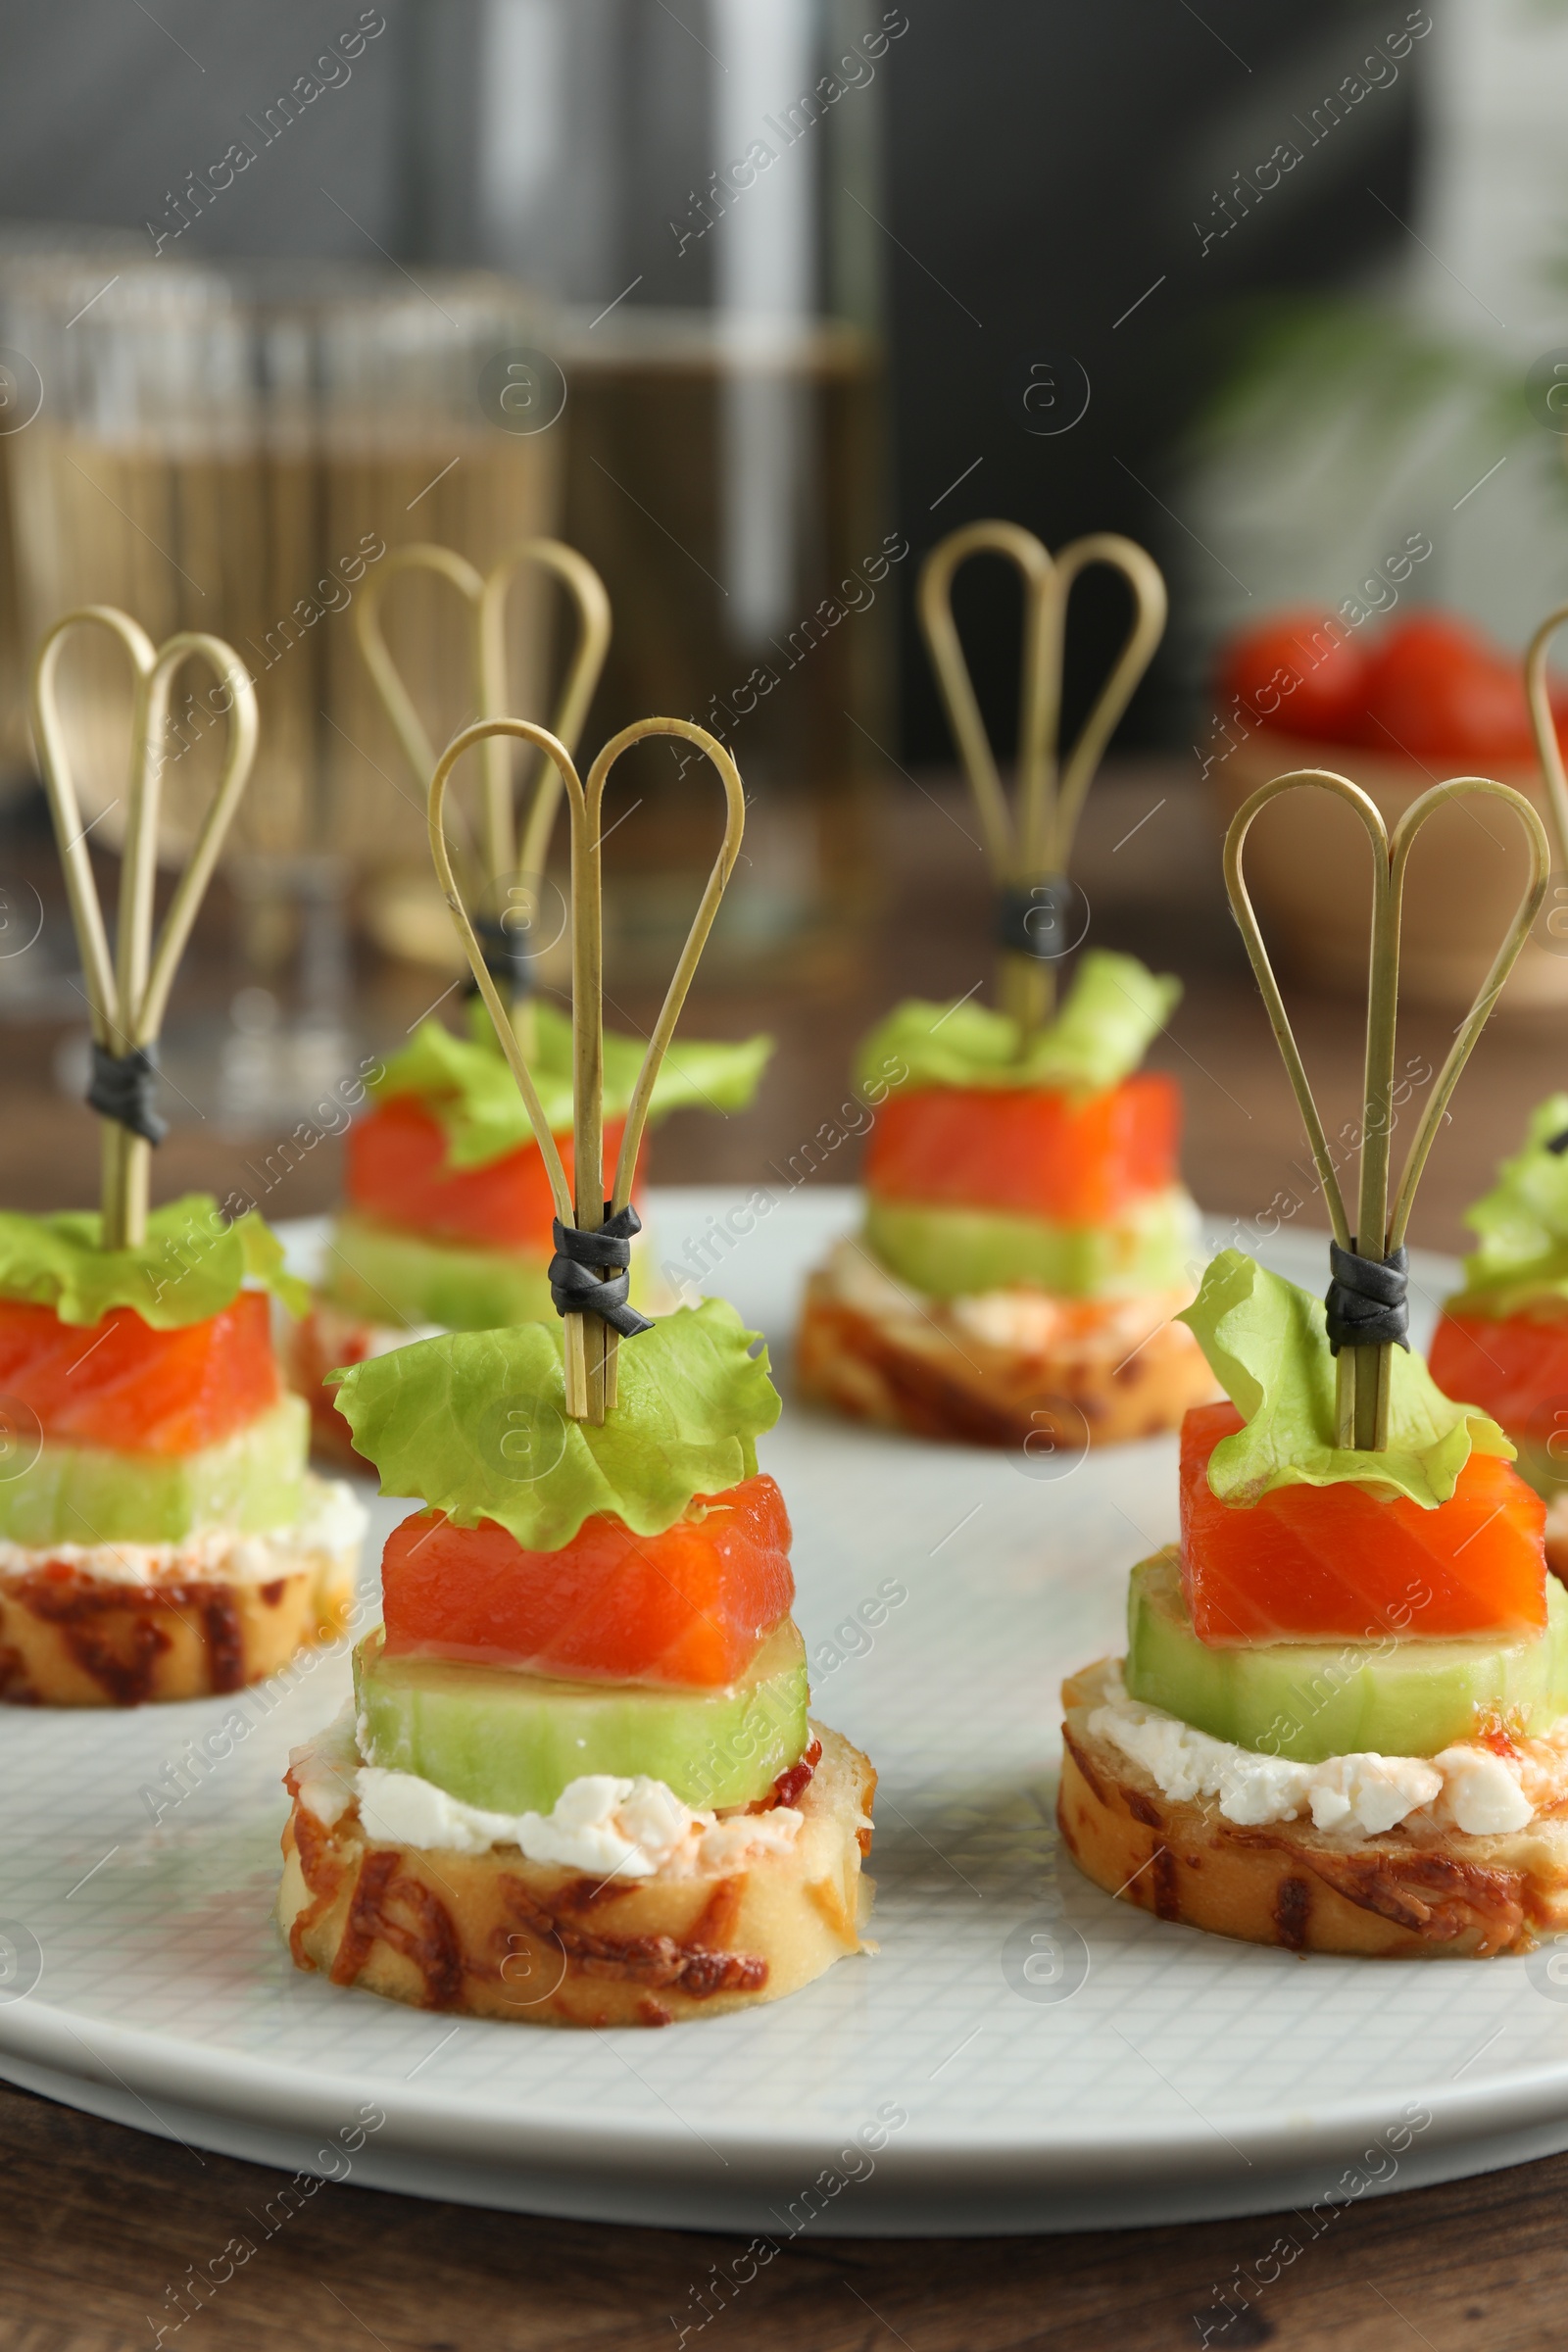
[930, 1372]
[493, 1934]
[114, 1625]
[1409, 1893]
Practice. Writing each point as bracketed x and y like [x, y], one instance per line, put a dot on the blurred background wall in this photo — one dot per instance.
[1038, 203]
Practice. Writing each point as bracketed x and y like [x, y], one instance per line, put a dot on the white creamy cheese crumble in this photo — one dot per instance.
[1037, 1323]
[600, 1825]
[338, 1324]
[1025, 1320]
[383, 1338]
[1464, 1788]
[854, 1274]
[327, 1533]
[323, 1768]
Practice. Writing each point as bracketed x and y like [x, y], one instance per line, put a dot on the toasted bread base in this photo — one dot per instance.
[918, 1373]
[496, 1935]
[326, 1339]
[72, 1639]
[1405, 1895]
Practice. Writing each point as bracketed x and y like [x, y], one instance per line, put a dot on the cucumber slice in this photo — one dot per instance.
[953, 1252]
[253, 1482]
[389, 1276]
[1311, 1700]
[512, 1742]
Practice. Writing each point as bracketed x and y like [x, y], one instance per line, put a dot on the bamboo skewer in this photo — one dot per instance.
[1549, 751]
[590, 1342]
[507, 870]
[1029, 847]
[128, 995]
[702, 923]
[1363, 1396]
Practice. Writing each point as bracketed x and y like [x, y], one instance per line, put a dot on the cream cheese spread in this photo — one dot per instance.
[326, 1534]
[1467, 1786]
[609, 1828]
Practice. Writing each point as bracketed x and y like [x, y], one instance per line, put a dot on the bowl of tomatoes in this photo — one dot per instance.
[1396, 707]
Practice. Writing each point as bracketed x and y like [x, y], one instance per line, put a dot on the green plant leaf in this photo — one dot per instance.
[1522, 1224]
[1114, 1011]
[1295, 359]
[468, 1087]
[192, 1264]
[474, 1424]
[1267, 1346]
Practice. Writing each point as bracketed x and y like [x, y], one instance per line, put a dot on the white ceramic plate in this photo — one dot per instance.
[1138, 2072]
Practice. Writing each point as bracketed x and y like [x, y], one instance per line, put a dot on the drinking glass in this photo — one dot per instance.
[233, 448]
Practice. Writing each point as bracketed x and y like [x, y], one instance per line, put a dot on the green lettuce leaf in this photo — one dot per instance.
[1114, 1011]
[192, 1264]
[474, 1423]
[1522, 1224]
[466, 1083]
[1267, 1346]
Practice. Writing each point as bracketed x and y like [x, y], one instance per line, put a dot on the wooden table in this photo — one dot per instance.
[98, 2224]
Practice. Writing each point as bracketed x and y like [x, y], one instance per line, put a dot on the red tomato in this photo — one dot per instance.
[1048, 1154]
[1438, 692]
[397, 1170]
[1302, 674]
[1515, 1367]
[122, 1385]
[1341, 1563]
[692, 1606]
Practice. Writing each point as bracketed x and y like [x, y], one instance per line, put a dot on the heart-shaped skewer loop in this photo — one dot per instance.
[1029, 845]
[1378, 1234]
[581, 1207]
[504, 855]
[128, 993]
[1549, 751]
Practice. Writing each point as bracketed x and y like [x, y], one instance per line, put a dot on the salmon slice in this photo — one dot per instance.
[1309, 1563]
[691, 1606]
[1075, 1159]
[396, 1169]
[1515, 1367]
[119, 1384]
